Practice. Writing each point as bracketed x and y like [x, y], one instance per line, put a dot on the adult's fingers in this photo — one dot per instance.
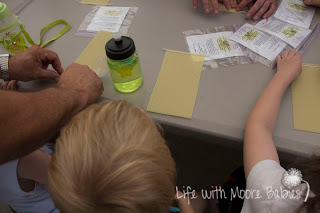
[242, 4]
[12, 85]
[312, 2]
[233, 4]
[262, 10]
[206, 6]
[227, 4]
[272, 8]
[48, 74]
[253, 10]
[195, 4]
[4, 85]
[215, 6]
[50, 57]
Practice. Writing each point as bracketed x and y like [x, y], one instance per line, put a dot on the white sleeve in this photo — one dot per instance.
[265, 177]
[8, 181]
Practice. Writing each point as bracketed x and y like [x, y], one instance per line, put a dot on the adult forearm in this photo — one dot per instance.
[265, 112]
[28, 120]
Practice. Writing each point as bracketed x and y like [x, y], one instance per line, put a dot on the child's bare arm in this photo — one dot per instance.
[258, 143]
[34, 166]
[184, 206]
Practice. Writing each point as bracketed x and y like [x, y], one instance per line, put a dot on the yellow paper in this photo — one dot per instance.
[222, 8]
[94, 55]
[306, 99]
[96, 2]
[176, 89]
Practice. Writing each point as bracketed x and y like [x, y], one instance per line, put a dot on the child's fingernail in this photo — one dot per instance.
[215, 11]
[207, 10]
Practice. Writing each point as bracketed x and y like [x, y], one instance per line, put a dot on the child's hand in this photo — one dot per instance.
[289, 64]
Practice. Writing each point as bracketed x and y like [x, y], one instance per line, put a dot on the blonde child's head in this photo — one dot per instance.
[112, 158]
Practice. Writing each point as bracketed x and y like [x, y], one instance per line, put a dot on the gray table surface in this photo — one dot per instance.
[225, 95]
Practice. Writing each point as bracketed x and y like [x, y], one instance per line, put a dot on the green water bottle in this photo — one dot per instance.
[124, 63]
[11, 39]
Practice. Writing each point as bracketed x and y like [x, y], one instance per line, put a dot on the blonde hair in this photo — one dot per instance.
[112, 158]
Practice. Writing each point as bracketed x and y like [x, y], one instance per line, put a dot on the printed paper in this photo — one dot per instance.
[259, 42]
[214, 45]
[289, 33]
[295, 12]
[108, 19]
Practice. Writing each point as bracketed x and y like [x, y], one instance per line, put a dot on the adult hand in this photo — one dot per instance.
[261, 8]
[9, 85]
[214, 3]
[82, 80]
[32, 64]
[312, 2]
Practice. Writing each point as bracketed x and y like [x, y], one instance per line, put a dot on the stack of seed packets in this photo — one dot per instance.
[268, 38]
[295, 12]
[262, 43]
[289, 33]
[290, 25]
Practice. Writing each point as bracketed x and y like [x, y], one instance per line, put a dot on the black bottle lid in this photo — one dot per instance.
[120, 47]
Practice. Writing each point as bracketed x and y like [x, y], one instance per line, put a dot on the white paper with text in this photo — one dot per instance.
[108, 19]
[289, 33]
[295, 12]
[214, 45]
[264, 44]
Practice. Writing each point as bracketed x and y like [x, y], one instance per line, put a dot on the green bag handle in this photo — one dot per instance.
[43, 30]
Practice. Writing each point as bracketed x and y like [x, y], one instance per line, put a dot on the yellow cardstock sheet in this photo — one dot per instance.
[176, 89]
[95, 2]
[94, 55]
[306, 99]
[222, 8]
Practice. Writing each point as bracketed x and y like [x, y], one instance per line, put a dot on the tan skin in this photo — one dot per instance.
[259, 9]
[33, 167]
[28, 120]
[258, 142]
[312, 2]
